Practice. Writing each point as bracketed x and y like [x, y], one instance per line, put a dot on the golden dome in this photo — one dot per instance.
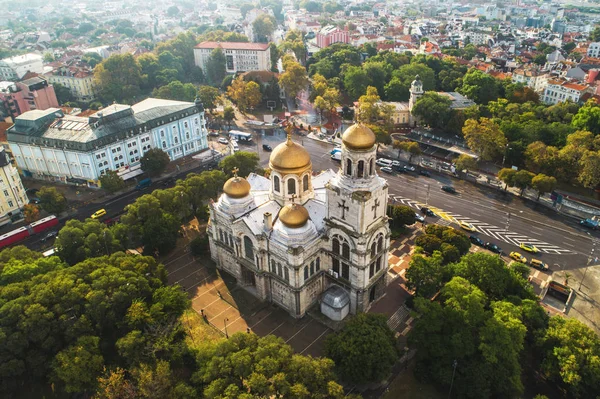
[293, 215]
[358, 137]
[289, 157]
[236, 187]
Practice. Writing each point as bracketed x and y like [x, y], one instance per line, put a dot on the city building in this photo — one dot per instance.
[295, 239]
[14, 68]
[239, 57]
[332, 34]
[532, 78]
[12, 192]
[50, 145]
[30, 94]
[77, 79]
[558, 91]
[594, 50]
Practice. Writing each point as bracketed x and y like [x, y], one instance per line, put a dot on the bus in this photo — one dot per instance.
[240, 136]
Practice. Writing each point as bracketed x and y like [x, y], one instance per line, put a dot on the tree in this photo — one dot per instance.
[209, 96]
[355, 82]
[480, 87]
[63, 94]
[294, 79]
[244, 94]
[246, 163]
[589, 175]
[176, 90]
[111, 181]
[429, 243]
[522, 179]
[79, 365]
[368, 106]
[507, 175]
[263, 27]
[215, 67]
[228, 114]
[485, 138]
[543, 184]
[401, 216]
[595, 34]
[31, 213]
[412, 147]
[398, 88]
[433, 109]
[118, 78]
[425, 275]
[364, 350]
[172, 11]
[77, 241]
[154, 161]
[465, 162]
[588, 118]
[52, 201]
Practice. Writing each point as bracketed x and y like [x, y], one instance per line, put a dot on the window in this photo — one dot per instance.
[305, 183]
[380, 244]
[348, 167]
[371, 270]
[305, 273]
[312, 267]
[164, 144]
[378, 266]
[185, 124]
[286, 274]
[279, 270]
[291, 186]
[373, 249]
[276, 183]
[335, 247]
[361, 168]
[335, 265]
[175, 140]
[345, 271]
[273, 267]
[5, 193]
[318, 264]
[10, 203]
[346, 250]
[249, 250]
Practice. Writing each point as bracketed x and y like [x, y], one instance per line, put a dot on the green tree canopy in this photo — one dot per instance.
[176, 90]
[263, 27]
[485, 138]
[118, 78]
[215, 67]
[294, 79]
[433, 109]
[52, 201]
[480, 87]
[209, 96]
[111, 181]
[78, 241]
[246, 163]
[154, 161]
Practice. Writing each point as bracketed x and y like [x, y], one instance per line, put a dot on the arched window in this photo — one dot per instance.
[380, 244]
[335, 247]
[305, 183]
[348, 167]
[373, 249]
[291, 186]
[371, 167]
[287, 274]
[305, 273]
[249, 250]
[318, 264]
[345, 250]
[276, 183]
[361, 169]
[273, 267]
[312, 267]
[279, 270]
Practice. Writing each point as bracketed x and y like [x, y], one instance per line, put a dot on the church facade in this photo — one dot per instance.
[295, 239]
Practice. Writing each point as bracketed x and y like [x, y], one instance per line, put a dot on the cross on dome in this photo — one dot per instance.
[235, 171]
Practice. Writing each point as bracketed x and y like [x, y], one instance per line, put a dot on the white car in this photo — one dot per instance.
[223, 140]
[384, 162]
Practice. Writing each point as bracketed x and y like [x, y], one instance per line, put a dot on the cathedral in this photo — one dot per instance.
[297, 239]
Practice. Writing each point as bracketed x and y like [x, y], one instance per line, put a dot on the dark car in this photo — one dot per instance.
[168, 182]
[424, 173]
[493, 247]
[477, 241]
[427, 211]
[49, 235]
[267, 147]
[449, 189]
[399, 169]
[409, 168]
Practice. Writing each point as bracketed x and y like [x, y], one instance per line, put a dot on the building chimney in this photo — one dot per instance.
[268, 221]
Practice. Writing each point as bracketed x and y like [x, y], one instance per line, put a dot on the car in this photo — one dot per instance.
[409, 168]
[223, 140]
[449, 189]
[477, 241]
[387, 169]
[427, 211]
[34, 200]
[538, 264]
[518, 257]
[213, 133]
[267, 147]
[384, 162]
[49, 235]
[168, 182]
[493, 247]
[529, 248]
[399, 169]
[99, 213]
[419, 217]
[396, 163]
[467, 226]
[424, 173]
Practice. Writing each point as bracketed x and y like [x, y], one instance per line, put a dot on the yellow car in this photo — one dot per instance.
[99, 213]
[467, 226]
[518, 257]
[529, 248]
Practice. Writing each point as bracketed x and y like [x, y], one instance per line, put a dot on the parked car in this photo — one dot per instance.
[168, 182]
[213, 133]
[427, 211]
[144, 183]
[267, 147]
[98, 214]
[384, 162]
[425, 173]
[396, 163]
[49, 235]
[223, 140]
[493, 247]
[477, 241]
[387, 169]
[419, 217]
[538, 264]
[409, 168]
[399, 169]
[449, 189]
[518, 257]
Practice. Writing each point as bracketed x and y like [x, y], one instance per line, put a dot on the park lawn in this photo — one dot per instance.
[199, 333]
[406, 386]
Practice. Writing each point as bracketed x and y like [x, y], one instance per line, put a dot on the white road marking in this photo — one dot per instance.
[298, 332]
[258, 322]
[311, 344]
[272, 331]
[571, 245]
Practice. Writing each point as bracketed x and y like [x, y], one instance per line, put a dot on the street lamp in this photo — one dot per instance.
[225, 322]
[427, 197]
[588, 262]
[454, 364]
[506, 148]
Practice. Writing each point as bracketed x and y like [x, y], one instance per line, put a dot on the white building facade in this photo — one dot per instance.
[533, 79]
[296, 240]
[559, 91]
[239, 57]
[594, 50]
[14, 68]
[12, 192]
[80, 82]
[52, 146]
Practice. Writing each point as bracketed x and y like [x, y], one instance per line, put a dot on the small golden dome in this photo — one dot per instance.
[293, 215]
[358, 137]
[289, 157]
[236, 187]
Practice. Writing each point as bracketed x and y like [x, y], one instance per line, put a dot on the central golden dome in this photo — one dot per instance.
[358, 137]
[289, 157]
[293, 215]
[236, 187]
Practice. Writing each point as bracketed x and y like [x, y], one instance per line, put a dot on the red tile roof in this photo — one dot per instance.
[233, 46]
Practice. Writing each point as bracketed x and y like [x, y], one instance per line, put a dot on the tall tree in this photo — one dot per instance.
[118, 78]
[543, 184]
[263, 27]
[176, 90]
[246, 163]
[485, 138]
[480, 87]
[433, 109]
[465, 162]
[209, 96]
[425, 275]
[588, 118]
[215, 67]
[51, 200]
[154, 161]
[589, 175]
[294, 79]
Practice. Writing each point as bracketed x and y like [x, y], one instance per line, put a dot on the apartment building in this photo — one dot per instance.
[531, 78]
[14, 68]
[239, 57]
[332, 34]
[558, 91]
[50, 145]
[12, 192]
[77, 79]
[594, 50]
[30, 94]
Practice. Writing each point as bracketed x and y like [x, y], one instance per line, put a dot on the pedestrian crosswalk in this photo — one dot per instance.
[499, 233]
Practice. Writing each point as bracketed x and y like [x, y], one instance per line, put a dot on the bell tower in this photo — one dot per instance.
[416, 92]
